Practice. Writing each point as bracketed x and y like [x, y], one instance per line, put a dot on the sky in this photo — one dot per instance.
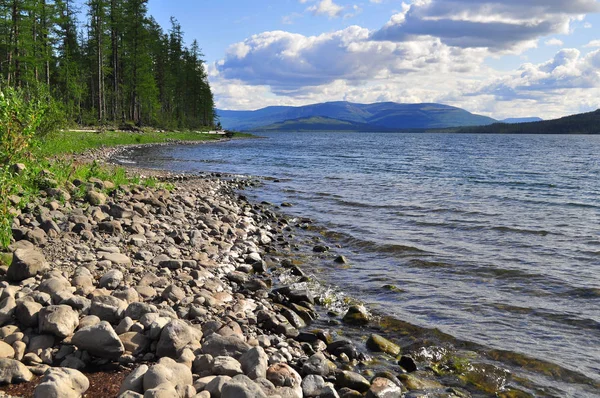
[500, 58]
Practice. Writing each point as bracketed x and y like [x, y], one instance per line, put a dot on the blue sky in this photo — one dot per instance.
[502, 58]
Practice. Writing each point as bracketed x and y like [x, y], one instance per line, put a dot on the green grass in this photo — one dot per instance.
[76, 142]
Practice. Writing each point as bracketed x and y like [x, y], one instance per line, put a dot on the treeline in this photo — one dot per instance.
[115, 66]
[583, 123]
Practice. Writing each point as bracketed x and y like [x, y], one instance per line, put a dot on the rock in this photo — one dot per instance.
[242, 387]
[296, 294]
[95, 198]
[6, 351]
[135, 343]
[7, 309]
[99, 340]
[318, 364]
[135, 380]
[345, 347]
[352, 380]
[26, 263]
[132, 394]
[215, 386]
[255, 363]
[27, 313]
[381, 344]
[173, 338]
[286, 379]
[117, 259]
[59, 320]
[173, 293]
[62, 383]
[226, 366]
[408, 363]
[12, 372]
[231, 346]
[415, 383]
[384, 388]
[111, 279]
[341, 260]
[108, 308]
[357, 315]
[164, 390]
[167, 371]
[312, 386]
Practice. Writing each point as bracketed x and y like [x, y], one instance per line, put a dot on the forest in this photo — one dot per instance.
[107, 62]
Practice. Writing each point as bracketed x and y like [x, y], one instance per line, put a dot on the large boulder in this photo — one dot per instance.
[12, 371]
[255, 363]
[62, 383]
[217, 345]
[242, 387]
[99, 340]
[26, 263]
[167, 371]
[173, 338]
[59, 320]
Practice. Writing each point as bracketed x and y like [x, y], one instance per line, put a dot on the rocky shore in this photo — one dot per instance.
[154, 292]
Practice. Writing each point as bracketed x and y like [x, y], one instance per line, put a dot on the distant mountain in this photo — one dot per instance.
[384, 116]
[319, 123]
[584, 123]
[516, 120]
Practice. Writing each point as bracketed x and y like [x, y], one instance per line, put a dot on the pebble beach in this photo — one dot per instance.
[185, 290]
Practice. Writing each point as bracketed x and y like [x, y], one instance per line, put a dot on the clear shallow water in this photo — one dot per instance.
[492, 239]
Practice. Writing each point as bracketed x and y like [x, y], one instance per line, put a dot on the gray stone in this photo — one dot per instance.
[318, 364]
[27, 313]
[7, 309]
[95, 198]
[255, 363]
[108, 308]
[312, 385]
[357, 315]
[226, 366]
[231, 346]
[59, 320]
[167, 371]
[99, 340]
[352, 380]
[173, 338]
[117, 258]
[384, 388]
[12, 372]
[62, 383]
[135, 380]
[215, 387]
[111, 279]
[242, 387]
[26, 263]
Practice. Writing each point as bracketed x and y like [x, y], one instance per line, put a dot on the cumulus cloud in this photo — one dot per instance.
[497, 25]
[567, 70]
[326, 7]
[593, 43]
[554, 42]
[287, 61]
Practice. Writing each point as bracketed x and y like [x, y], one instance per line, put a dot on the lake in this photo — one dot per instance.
[492, 239]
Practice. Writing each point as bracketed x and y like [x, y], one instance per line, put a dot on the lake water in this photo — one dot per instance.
[492, 239]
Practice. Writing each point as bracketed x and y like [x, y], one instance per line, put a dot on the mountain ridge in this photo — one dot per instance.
[382, 116]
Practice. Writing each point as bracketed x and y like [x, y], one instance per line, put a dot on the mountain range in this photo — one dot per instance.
[347, 116]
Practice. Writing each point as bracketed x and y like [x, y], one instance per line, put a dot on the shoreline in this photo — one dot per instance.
[221, 256]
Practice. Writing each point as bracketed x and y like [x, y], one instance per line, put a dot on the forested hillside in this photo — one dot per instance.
[113, 65]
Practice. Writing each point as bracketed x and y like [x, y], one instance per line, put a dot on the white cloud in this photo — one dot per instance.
[326, 7]
[593, 43]
[429, 51]
[497, 25]
[288, 62]
[554, 42]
